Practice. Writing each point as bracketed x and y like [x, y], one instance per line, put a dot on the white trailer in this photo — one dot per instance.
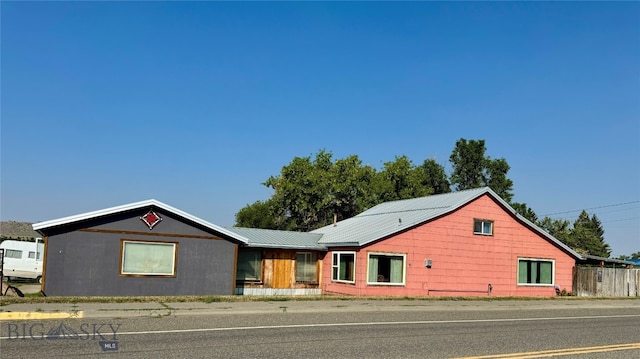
[22, 259]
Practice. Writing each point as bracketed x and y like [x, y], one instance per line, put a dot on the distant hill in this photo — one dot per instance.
[17, 230]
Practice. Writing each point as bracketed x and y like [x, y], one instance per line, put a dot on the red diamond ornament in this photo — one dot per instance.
[151, 219]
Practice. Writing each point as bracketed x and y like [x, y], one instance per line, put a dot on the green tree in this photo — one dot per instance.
[559, 228]
[525, 211]
[588, 236]
[585, 237]
[496, 178]
[311, 192]
[301, 189]
[472, 169]
[468, 162]
[400, 179]
[351, 190]
[259, 215]
[635, 255]
[434, 177]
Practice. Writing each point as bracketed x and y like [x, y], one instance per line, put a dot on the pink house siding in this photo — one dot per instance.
[463, 263]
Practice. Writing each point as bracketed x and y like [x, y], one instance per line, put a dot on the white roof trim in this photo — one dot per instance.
[131, 206]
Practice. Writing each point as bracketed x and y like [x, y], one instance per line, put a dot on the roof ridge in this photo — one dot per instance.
[479, 189]
[401, 211]
[134, 206]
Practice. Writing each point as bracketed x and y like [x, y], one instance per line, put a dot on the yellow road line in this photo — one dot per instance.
[559, 352]
[39, 315]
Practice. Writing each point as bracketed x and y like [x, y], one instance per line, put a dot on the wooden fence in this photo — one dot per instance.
[606, 282]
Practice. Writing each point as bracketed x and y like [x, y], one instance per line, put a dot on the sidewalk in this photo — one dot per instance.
[161, 309]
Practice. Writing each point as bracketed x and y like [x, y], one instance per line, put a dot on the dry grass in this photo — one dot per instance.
[37, 298]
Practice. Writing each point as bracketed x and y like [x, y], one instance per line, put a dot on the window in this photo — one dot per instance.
[39, 251]
[306, 267]
[32, 254]
[535, 271]
[386, 269]
[343, 267]
[249, 265]
[12, 253]
[142, 258]
[481, 226]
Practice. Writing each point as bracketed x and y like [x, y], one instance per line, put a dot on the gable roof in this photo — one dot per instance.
[43, 226]
[378, 222]
[269, 238]
[389, 218]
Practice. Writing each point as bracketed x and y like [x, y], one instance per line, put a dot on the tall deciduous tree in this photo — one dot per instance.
[400, 179]
[472, 169]
[435, 177]
[468, 163]
[311, 192]
[260, 215]
[301, 190]
[351, 189]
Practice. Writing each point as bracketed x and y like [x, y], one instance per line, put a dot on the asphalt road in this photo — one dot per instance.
[399, 329]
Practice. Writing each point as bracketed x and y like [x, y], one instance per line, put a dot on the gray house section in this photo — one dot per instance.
[84, 255]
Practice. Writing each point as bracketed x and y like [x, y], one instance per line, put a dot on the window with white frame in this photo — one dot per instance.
[386, 269]
[535, 271]
[32, 255]
[146, 258]
[343, 267]
[306, 267]
[249, 266]
[483, 226]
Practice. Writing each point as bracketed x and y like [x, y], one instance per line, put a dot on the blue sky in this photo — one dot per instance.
[196, 104]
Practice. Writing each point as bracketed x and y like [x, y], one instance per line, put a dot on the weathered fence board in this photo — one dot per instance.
[606, 282]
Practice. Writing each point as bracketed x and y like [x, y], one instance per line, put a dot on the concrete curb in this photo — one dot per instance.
[39, 315]
[25, 311]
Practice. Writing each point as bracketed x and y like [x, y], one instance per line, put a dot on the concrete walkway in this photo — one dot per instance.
[22, 311]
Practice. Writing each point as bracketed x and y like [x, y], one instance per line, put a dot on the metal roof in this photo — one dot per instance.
[591, 258]
[389, 218]
[40, 226]
[268, 238]
[378, 222]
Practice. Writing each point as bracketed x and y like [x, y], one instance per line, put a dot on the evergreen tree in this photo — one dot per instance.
[588, 236]
[526, 212]
[560, 229]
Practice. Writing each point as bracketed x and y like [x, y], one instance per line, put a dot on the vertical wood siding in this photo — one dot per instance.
[279, 271]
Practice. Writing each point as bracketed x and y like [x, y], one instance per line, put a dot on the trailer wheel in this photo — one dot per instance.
[39, 279]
